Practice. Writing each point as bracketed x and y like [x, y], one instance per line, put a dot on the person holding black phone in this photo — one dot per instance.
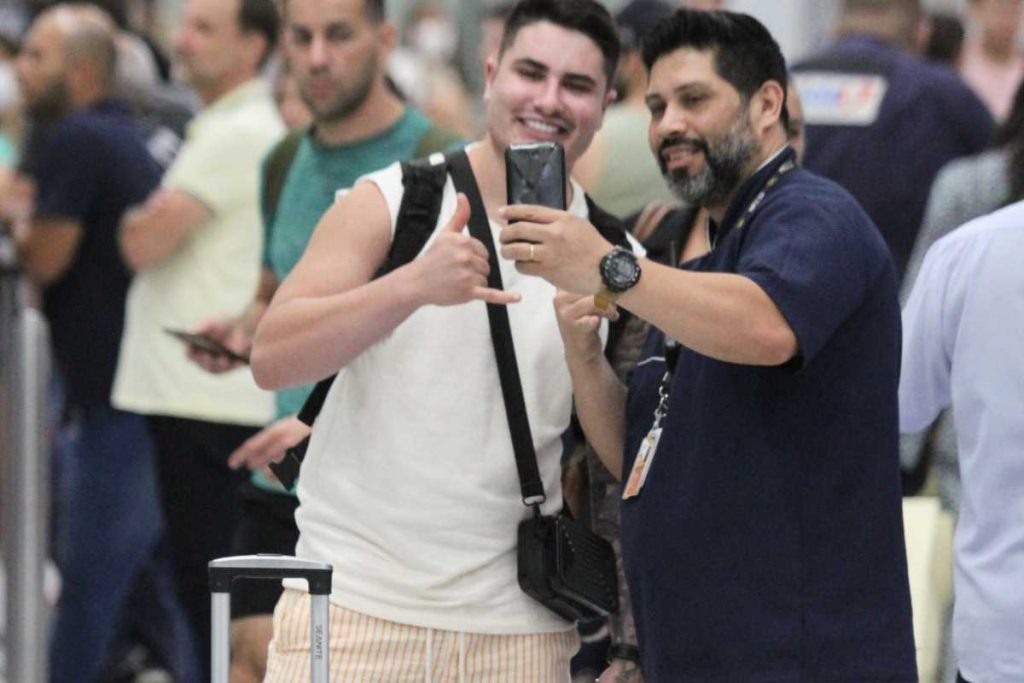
[757, 440]
[409, 486]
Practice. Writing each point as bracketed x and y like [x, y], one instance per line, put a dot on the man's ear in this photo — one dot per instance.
[257, 49]
[766, 106]
[387, 38]
[81, 75]
[609, 97]
[490, 70]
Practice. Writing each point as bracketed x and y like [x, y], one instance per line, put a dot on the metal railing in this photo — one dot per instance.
[24, 369]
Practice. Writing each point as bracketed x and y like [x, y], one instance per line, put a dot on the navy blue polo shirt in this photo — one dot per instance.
[882, 123]
[767, 544]
[90, 167]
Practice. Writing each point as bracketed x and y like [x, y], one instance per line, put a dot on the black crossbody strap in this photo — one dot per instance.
[315, 401]
[501, 336]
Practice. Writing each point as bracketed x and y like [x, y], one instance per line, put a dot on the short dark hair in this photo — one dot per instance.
[262, 17]
[884, 5]
[585, 16]
[375, 10]
[744, 52]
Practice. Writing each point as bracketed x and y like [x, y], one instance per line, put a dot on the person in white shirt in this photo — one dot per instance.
[962, 327]
[195, 245]
[409, 488]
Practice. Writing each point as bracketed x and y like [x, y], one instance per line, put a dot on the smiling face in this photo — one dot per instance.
[336, 51]
[701, 132]
[548, 86]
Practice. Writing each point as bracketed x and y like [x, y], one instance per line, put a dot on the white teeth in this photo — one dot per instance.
[680, 154]
[541, 127]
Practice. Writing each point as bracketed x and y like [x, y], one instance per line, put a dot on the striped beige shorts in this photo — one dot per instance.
[365, 649]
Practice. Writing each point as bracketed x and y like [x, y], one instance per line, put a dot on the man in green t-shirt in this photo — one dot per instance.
[337, 50]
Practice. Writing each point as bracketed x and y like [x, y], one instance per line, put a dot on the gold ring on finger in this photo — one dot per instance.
[531, 253]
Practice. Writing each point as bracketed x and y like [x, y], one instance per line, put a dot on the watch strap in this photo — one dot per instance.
[606, 298]
[625, 651]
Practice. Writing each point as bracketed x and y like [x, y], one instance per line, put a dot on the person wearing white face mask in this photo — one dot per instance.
[434, 37]
[422, 69]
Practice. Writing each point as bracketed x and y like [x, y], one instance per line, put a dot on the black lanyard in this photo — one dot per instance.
[782, 170]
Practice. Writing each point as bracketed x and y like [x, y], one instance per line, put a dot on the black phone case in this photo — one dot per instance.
[535, 174]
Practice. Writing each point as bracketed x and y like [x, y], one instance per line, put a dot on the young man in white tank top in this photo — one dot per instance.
[409, 487]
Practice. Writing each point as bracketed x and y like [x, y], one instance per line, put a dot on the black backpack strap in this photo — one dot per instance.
[417, 217]
[275, 170]
[530, 482]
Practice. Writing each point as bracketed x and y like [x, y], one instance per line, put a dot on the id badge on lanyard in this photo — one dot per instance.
[649, 446]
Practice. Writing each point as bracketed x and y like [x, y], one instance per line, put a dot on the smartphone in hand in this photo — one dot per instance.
[535, 174]
[206, 344]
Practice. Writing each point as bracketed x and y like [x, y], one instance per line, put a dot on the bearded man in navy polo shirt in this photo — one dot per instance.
[757, 440]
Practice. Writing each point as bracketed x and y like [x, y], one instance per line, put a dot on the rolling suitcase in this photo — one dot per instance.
[223, 573]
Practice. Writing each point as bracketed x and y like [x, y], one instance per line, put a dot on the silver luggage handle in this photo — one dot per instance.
[223, 573]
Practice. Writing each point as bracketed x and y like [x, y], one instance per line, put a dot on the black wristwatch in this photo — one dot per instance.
[620, 271]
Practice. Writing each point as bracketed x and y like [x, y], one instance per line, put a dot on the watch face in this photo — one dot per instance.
[620, 270]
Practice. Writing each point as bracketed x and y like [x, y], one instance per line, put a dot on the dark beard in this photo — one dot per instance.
[352, 100]
[51, 105]
[724, 164]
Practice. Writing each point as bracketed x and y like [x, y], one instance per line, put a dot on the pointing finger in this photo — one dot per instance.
[496, 296]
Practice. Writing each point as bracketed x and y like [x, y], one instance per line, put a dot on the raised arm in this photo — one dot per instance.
[724, 316]
[599, 395]
[720, 315]
[328, 310]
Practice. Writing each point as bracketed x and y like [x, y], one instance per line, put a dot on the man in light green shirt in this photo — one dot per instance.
[195, 245]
